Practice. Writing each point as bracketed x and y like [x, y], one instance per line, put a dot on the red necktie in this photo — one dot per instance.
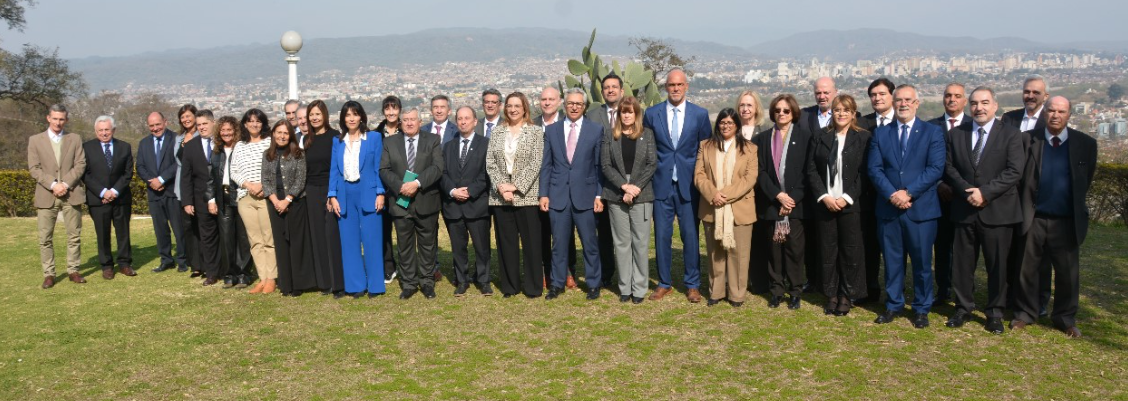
[951, 123]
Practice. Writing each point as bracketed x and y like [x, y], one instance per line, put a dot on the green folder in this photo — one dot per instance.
[403, 201]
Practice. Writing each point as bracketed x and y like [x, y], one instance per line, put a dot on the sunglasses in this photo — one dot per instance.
[781, 111]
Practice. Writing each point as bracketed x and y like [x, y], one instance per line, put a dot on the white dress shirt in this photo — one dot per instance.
[1028, 121]
[352, 156]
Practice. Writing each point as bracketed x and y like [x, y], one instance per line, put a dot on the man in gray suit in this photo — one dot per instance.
[416, 224]
[491, 106]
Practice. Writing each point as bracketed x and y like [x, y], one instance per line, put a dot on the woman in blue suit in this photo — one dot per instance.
[356, 196]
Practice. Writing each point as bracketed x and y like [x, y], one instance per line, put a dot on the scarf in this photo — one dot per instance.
[783, 226]
[722, 175]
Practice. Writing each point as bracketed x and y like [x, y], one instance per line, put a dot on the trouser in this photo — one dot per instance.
[362, 237]
[728, 273]
[945, 238]
[191, 231]
[902, 238]
[72, 220]
[325, 240]
[165, 213]
[518, 231]
[389, 250]
[995, 243]
[563, 222]
[207, 241]
[291, 247]
[787, 269]
[233, 241]
[256, 221]
[606, 245]
[843, 255]
[416, 238]
[461, 231]
[758, 278]
[685, 210]
[546, 245]
[872, 247]
[630, 225]
[115, 215]
[1050, 241]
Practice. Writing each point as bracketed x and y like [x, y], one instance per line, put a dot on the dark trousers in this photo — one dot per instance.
[563, 222]
[416, 238]
[811, 258]
[546, 246]
[518, 231]
[872, 248]
[461, 231]
[787, 262]
[902, 240]
[165, 212]
[291, 248]
[606, 245]
[236, 248]
[389, 250]
[685, 210]
[842, 254]
[1014, 271]
[116, 215]
[758, 278]
[207, 243]
[994, 242]
[945, 237]
[1050, 242]
[325, 240]
[191, 233]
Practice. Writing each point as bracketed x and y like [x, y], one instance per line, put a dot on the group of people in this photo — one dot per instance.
[312, 208]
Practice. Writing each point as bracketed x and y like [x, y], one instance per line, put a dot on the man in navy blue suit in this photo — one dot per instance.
[440, 120]
[679, 127]
[906, 161]
[569, 191]
[156, 165]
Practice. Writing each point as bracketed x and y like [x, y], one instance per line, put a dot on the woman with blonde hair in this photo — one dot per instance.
[751, 113]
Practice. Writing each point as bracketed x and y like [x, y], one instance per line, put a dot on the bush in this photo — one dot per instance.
[17, 194]
[1108, 197]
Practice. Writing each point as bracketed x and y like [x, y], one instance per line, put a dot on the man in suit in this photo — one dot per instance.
[417, 225]
[570, 191]
[466, 202]
[1059, 171]
[905, 162]
[679, 127]
[880, 93]
[291, 109]
[195, 178]
[156, 166]
[605, 115]
[303, 125]
[984, 165]
[440, 120]
[955, 99]
[1030, 116]
[881, 100]
[550, 113]
[109, 169]
[56, 162]
[491, 107]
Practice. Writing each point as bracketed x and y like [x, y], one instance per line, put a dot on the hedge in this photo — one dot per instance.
[17, 192]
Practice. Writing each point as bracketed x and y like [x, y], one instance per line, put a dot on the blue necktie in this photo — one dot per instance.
[207, 149]
[157, 151]
[489, 128]
[675, 134]
[904, 139]
[109, 156]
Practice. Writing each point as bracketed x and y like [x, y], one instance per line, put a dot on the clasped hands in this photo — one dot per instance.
[834, 204]
[975, 198]
[786, 203]
[901, 199]
[630, 192]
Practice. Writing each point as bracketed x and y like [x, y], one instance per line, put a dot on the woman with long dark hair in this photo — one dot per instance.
[186, 116]
[388, 127]
[325, 235]
[246, 171]
[235, 249]
[283, 184]
[356, 197]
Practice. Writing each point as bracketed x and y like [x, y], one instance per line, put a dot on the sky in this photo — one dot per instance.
[83, 28]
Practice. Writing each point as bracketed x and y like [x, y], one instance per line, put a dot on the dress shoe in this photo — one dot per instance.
[428, 292]
[793, 303]
[406, 294]
[76, 278]
[994, 325]
[507, 295]
[885, 317]
[920, 321]
[460, 290]
[553, 293]
[1043, 312]
[957, 320]
[570, 283]
[127, 270]
[636, 300]
[374, 294]
[711, 302]
[736, 304]
[355, 295]
[1017, 324]
[163, 268]
[1072, 332]
[108, 274]
[268, 286]
[593, 294]
[693, 295]
[244, 281]
[388, 278]
[485, 289]
[660, 293]
[831, 306]
[196, 273]
[339, 294]
[48, 282]
[257, 288]
[210, 281]
[774, 301]
[228, 282]
[182, 269]
[624, 298]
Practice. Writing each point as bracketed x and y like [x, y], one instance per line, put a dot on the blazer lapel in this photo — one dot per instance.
[662, 129]
[992, 140]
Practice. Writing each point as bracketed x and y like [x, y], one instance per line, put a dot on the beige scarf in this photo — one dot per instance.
[723, 217]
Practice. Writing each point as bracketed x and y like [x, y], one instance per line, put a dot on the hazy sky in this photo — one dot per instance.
[124, 27]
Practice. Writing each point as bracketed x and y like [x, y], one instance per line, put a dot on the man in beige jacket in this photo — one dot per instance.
[56, 162]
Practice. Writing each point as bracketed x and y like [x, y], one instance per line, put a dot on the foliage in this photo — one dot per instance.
[17, 192]
[1108, 196]
[37, 75]
[587, 74]
[660, 56]
[1115, 92]
[12, 12]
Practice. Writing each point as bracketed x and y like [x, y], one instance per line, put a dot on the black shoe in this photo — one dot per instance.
[162, 268]
[356, 295]
[957, 320]
[636, 300]
[593, 294]
[774, 301]
[553, 292]
[994, 325]
[793, 303]
[920, 321]
[885, 317]
[485, 289]
[624, 298]
[326, 292]
[736, 304]
[461, 289]
[339, 294]
[196, 273]
[428, 291]
[941, 299]
[374, 294]
[406, 294]
[242, 281]
[507, 295]
[182, 269]
[228, 282]
[1043, 312]
[712, 302]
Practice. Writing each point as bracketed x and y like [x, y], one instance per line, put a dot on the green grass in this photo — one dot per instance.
[165, 337]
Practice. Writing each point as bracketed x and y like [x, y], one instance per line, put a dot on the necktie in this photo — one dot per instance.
[439, 130]
[207, 149]
[612, 118]
[462, 154]
[978, 149]
[675, 133]
[1056, 141]
[882, 123]
[489, 128]
[157, 150]
[109, 156]
[951, 123]
[572, 139]
[904, 139]
[411, 153]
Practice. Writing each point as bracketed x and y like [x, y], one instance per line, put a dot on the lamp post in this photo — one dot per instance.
[291, 44]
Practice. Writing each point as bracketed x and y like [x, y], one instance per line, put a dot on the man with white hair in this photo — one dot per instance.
[109, 169]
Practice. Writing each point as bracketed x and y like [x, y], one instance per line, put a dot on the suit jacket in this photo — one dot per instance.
[599, 115]
[472, 176]
[195, 174]
[918, 170]
[98, 176]
[539, 120]
[1082, 167]
[682, 154]
[530, 152]
[942, 122]
[869, 121]
[855, 182]
[428, 165]
[795, 172]
[740, 191]
[1000, 168]
[480, 130]
[576, 183]
[148, 169]
[614, 168]
[450, 131]
[1014, 118]
[46, 171]
[371, 149]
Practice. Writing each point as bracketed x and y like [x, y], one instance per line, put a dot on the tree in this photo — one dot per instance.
[1115, 92]
[659, 56]
[12, 11]
[36, 75]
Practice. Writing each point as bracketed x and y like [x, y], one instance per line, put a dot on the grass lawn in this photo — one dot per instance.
[165, 337]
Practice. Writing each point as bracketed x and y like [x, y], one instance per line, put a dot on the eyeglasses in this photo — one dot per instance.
[725, 123]
[781, 111]
[574, 104]
[491, 102]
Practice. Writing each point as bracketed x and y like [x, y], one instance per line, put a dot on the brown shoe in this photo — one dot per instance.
[1017, 324]
[269, 286]
[77, 278]
[693, 295]
[1072, 332]
[257, 288]
[660, 293]
[108, 274]
[128, 271]
[570, 283]
[48, 282]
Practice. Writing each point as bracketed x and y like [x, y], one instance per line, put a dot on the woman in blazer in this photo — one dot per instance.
[628, 160]
[283, 184]
[356, 196]
[725, 173]
[235, 254]
[836, 174]
[515, 151]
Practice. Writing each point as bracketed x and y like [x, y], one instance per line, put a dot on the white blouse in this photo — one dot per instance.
[352, 156]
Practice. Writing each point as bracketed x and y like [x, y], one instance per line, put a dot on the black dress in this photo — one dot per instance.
[325, 237]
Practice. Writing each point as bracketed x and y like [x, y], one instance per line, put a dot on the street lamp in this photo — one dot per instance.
[291, 44]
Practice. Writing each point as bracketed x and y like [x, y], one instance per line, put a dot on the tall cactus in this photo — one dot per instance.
[588, 72]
